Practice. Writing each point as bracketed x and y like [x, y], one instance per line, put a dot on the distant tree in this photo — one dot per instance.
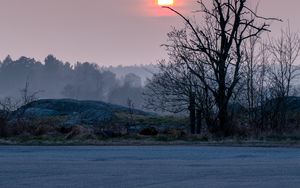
[132, 80]
[52, 64]
[87, 81]
[7, 60]
[58, 79]
[129, 90]
[109, 82]
[70, 91]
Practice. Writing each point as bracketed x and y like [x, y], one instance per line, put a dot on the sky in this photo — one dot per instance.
[106, 32]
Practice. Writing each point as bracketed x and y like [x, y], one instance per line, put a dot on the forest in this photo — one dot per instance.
[55, 79]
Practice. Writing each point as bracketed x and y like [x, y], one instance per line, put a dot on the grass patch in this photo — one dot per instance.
[164, 138]
[151, 120]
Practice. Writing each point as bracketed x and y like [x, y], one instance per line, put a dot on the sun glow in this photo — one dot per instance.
[165, 2]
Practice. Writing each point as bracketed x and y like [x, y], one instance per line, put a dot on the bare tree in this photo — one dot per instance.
[251, 71]
[130, 106]
[164, 92]
[213, 52]
[9, 104]
[172, 90]
[285, 51]
[263, 86]
[26, 95]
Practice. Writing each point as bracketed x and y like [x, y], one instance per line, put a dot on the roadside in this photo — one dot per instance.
[147, 141]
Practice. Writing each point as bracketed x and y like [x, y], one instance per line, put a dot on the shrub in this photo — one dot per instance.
[150, 131]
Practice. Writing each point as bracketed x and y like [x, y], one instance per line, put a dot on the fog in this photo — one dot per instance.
[54, 78]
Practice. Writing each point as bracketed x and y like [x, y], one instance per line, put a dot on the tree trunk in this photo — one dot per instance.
[199, 121]
[223, 123]
[223, 129]
[192, 109]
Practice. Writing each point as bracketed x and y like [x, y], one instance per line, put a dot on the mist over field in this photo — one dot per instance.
[54, 78]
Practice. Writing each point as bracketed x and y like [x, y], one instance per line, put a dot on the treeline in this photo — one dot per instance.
[230, 76]
[53, 78]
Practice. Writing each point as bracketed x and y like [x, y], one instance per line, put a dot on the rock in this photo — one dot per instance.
[32, 113]
[74, 112]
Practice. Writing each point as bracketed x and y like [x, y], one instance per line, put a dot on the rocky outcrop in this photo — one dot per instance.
[73, 112]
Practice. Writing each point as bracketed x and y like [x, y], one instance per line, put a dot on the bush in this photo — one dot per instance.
[175, 132]
[3, 128]
[150, 131]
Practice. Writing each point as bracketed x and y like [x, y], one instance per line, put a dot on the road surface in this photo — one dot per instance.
[149, 167]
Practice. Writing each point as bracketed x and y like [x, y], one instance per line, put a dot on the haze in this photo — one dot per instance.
[107, 32]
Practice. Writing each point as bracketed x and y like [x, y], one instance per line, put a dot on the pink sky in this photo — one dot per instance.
[108, 32]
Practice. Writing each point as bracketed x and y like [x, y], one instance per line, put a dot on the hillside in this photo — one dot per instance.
[68, 118]
[74, 112]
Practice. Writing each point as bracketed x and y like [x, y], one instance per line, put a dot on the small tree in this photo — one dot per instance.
[285, 52]
[130, 105]
[172, 90]
[26, 95]
[175, 90]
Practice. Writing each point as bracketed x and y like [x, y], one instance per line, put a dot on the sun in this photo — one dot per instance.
[165, 2]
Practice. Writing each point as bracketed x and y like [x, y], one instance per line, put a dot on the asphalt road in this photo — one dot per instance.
[149, 167]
